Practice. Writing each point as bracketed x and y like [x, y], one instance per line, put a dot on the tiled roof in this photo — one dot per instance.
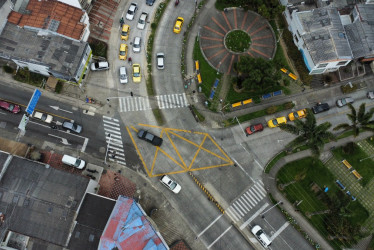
[52, 15]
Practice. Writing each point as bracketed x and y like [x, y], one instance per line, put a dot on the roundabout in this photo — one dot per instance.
[225, 36]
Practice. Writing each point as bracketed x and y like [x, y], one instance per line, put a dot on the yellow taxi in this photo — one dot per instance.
[136, 76]
[178, 25]
[297, 115]
[123, 51]
[125, 32]
[277, 121]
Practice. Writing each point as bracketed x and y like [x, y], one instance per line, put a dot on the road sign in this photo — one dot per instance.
[33, 101]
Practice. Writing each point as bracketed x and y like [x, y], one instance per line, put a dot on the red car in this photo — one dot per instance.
[254, 128]
[13, 108]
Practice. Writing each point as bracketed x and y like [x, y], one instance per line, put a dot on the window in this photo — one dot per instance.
[322, 65]
[296, 39]
[316, 71]
[341, 63]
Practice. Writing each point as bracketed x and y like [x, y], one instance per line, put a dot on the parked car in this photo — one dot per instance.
[149, 137]
[103, 65]
[123, 51]
[261, 236]
[72, 126]
[136, 45]
[178, 25]
[142, 20]
[277, 121]
[11, 107]
[370, 94]
[123, 75]
[125, 32]
[160, 57]
[253, 129]
[344, 101]
[73, 162]
[43, 117]
[320, 107]
[149, 2]
[297, 114]
[131, 12]
[136, 75]
[171, 184]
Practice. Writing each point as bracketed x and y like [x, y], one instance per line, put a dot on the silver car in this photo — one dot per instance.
[72, 126]
[344, 101]
[136, 44]
[123, 75]
[160, 57]
[142, 20]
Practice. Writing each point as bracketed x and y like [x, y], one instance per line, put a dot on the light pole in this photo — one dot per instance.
[107, 148]
[263, 214]
[240, 125]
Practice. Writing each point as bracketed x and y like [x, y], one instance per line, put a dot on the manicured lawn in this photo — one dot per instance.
[307, 172]
[364, 168]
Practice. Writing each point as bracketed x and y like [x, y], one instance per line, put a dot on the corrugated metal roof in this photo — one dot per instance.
[129, 228]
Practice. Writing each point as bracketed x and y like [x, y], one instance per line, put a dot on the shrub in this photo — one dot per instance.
[271, 110]
[99, 48]
[347, 89]
[59, 86]
[288, 105]
[153, 26]
[8, 69]
[348, 148]
[286, 82]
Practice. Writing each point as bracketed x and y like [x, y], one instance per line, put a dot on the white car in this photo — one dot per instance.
[169, 183]
[95, 66]
[73, 162]
[123, 75]
[136, 45]
[344, 101]
[43, 117]
[160, 57]
[131, 12]
[142, 20]
[261, 236]
[370, 94]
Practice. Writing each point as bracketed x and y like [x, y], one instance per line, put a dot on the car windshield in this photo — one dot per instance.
[295, 114]
[44, 117]
[173, 185]
[124, 33]
[136, 74]
[252, 128]
[275, 122]
[77, 163]
[141, 21]
[130, 12]
[11, 107]
[176, 27]
[123, 77]
[74, 126]
[136, 45]
[122, 53]
[344, 101]
[149, 137]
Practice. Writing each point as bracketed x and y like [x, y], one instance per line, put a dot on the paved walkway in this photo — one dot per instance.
[270, 183]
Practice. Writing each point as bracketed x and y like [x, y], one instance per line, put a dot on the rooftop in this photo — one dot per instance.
[129, 228]
[93, 215]
[51, 15]
[324, 35]
[39, 202]
[61, 54]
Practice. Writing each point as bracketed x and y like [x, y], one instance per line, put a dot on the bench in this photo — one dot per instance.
[199, 79]
[356, 174]
[197, 66]
[346, 163]
[266, 96]
[248, 101]
[237, 104]
[216, 83]
[292, 76]
[284, 70]
[279, 92]
[211, 95]
[340, 184]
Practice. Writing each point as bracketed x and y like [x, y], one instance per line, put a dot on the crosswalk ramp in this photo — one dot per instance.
[141, 103]
[113, 139]
[248, 200]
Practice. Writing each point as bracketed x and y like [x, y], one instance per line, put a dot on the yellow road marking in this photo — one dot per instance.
[150, 126]
[176, 150]
[180, 130]
[171, 158]
[197, 152]
[212, 166]
[133, 128]
[220, 149]
[137, 150]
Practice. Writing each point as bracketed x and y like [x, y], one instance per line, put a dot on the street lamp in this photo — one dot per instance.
[263, 214]
[107, 148]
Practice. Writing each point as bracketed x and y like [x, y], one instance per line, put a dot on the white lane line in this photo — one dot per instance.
[140, 100]
[256, 193]
[110, 118]
[112, 131]
[260, 190]
[185, 100]
[235, 212]
[116, 148]
[111, 126]
[147, 106]
[112, 123]
[114, 142]
[243, 200]
[174, 101]
[121, 106]
[254, 196]
[219, 237]
[279, 231]
[114, 136]
[247, 197]
[260, 181]
[211, 224]
[158, 102]
[244, 206]
[84, 145]
[166, 101]
[136, 104]
[254, 216]
[178, 105]
[237, 209]
[231, 214]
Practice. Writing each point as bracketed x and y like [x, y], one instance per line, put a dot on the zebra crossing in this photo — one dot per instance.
[141, 103]
[248, 200]
[113, 139]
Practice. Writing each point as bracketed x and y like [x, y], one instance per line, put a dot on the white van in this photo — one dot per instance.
[261, 236]
[73, 162]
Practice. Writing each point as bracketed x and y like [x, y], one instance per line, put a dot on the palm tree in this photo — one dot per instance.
[309, 133]
[360, 120]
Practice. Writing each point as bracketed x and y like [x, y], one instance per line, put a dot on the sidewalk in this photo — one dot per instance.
[270, 183]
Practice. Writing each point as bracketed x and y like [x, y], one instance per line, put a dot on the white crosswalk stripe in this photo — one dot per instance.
[113, 138]
[141, 103]
[248, 200]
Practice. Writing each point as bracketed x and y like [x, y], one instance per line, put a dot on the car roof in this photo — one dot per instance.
[137, 39]
[122, 70]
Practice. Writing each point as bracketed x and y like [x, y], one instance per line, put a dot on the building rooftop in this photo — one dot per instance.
[51, 15]
[93, 215]
[361, 33]
[129, 228]
[324, 35]
[39, 202]
[61, 54]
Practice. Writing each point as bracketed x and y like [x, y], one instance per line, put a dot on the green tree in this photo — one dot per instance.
[309, 133]
[359, 121]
